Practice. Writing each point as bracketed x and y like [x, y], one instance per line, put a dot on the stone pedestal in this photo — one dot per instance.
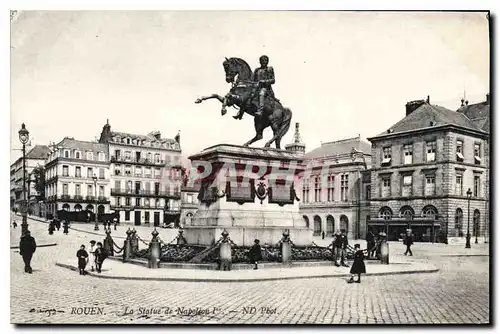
[250, 193]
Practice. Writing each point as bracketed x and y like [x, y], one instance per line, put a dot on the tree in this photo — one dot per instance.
[39, 176]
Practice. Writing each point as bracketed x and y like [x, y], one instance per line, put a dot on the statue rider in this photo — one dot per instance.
[264, 77]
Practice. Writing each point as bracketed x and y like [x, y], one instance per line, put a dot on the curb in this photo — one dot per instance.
[37, 246]
[465, 255]
[211, 280]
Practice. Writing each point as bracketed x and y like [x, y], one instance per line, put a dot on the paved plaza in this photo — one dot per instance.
[57, 295]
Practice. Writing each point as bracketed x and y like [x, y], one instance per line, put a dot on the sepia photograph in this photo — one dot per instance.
[269, 167]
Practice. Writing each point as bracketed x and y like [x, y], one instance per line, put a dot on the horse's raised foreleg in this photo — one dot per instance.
[213, 96]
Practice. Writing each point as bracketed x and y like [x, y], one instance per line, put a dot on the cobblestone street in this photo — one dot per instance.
[417, 298]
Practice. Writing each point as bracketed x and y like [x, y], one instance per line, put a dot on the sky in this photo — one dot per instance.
[341, 73]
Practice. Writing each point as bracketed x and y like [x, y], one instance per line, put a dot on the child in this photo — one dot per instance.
[358, 266]
[92, 244]
[83, 258]
[100, 255]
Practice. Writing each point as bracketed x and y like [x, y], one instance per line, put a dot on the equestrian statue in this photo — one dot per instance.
[252, 93]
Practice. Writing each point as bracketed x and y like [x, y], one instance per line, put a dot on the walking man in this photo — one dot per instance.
[339, 244]
[370, 243]
[27, 247]
[408, 241]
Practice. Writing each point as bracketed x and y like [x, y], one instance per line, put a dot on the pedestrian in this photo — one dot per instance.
[58, 224]
[358, 266]
[255, 253]
[323, 235]
[92, 254]
[343, 246]
[83, 259]
[27, 247]
[370, 243]
[100, 256]
[14, 224]
[408, 241]
[336, 247]
[65, 227]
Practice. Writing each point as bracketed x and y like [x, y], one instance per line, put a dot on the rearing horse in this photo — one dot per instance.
[243, 95]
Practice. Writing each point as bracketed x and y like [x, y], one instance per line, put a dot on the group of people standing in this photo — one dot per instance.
[98, 253]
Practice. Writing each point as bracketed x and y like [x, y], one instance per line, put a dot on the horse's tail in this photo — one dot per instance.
[285, 122]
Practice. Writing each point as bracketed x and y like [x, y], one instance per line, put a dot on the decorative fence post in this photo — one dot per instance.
[127, 247]
[225, 252]
[154, 251]
[134, 241]
[286, 248]
[384, 249]
[181, 240]
[108, 242]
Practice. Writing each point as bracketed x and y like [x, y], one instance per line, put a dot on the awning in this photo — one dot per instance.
[478, 159]
[460, 156]
[386, 161]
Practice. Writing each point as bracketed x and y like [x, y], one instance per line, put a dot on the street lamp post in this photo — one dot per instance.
[96, 226]
[467, 239]
[24, 136]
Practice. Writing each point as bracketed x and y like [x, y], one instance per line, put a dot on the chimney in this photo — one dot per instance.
[411, 106]
[428, 99]
[463, 102]
[488, 98]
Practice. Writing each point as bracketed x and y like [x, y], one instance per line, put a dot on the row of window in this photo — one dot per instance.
[459, 226]
[330, 188]
[157, 203]
[140, 171]
[145, 142]
[78, 190]
[407, 212]
[141, 185]
[75, 154]
[430, 153]
[149, 157]
[429, 187]
[78, 172]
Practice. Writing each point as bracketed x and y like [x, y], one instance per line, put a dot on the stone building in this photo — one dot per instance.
[189, 200]
[77, 177]
[34, 158]
[335, 187]
[422, 167]
[145, 176]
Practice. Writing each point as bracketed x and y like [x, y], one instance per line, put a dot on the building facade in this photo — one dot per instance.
[77, 177]
[145, 176]
[34, 158]
[422, 169]
[335, 188]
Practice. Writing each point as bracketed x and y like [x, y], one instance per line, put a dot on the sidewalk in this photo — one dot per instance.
[119, 270]
[39, 232]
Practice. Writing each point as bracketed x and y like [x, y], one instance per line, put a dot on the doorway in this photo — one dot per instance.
[137, 220]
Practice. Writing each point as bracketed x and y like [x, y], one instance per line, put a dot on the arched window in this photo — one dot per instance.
[306, 219]
[459, 216]
[65, 207]
[78, 207]
[330, 225]
[407, 212]
[430, 211]
[385, 212]
[317, 225]
[475, 225]
[90, 208]
[344, 224]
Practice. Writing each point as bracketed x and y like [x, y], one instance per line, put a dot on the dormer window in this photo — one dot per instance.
[66, 153]
[460, 152]
[128, 141]
[77, 155]
[90, 156]
[387, 156]
[101, 156]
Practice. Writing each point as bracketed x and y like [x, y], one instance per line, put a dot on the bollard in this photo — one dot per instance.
[127, 249]
[108, 243]
[181, 240]
[286, 249]
[225, 252]
[384, 249]
[134, 241]
[154, 251]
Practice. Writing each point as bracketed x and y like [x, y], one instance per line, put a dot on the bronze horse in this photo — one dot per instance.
[244, 95]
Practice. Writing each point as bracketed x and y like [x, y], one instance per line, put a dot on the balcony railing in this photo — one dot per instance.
[77, 198]
[141, 161]
[145, 193]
